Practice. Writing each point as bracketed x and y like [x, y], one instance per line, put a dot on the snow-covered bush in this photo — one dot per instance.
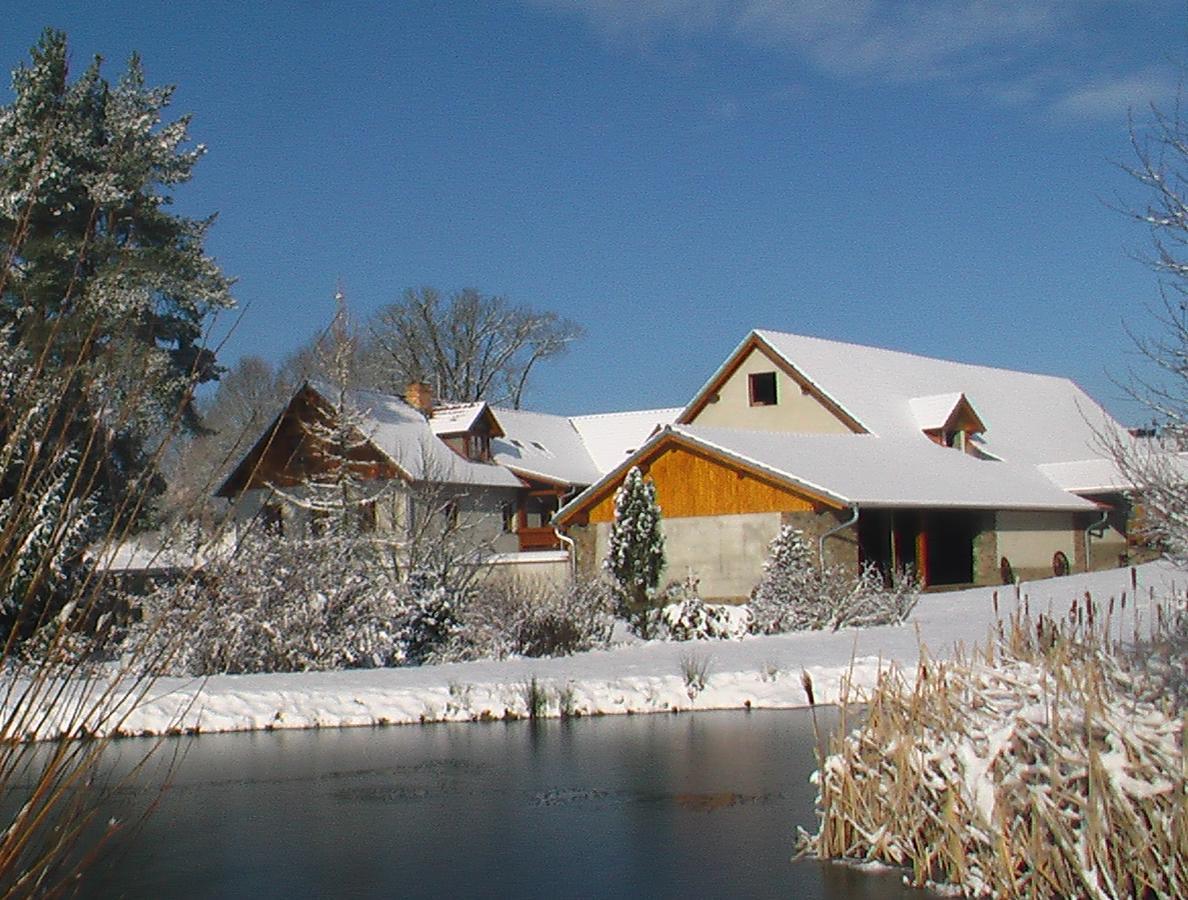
[635, 549]
[431, 626]
[276, 605]
[539, 620]
[796, 593]
[686, 617]
[692, 619]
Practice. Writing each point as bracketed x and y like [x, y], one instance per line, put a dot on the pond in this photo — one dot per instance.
[702, 804]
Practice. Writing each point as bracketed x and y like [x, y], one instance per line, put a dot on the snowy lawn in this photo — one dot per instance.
[760, 672]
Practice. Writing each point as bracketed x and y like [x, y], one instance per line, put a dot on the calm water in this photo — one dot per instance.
[696, 805]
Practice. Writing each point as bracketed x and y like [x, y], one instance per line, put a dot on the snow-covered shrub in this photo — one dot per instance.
[796, 593]
[686, 617]
[635, 549]
[431, 625]
[276, 605]
[537, 620]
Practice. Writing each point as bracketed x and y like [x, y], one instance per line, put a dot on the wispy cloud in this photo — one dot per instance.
[1106, 98]
[1033, 53]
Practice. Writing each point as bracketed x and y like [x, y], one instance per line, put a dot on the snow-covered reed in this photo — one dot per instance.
[1049, 763]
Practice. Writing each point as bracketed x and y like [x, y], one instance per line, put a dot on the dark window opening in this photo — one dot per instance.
[762, 388]
[507, 512]
[539, 509]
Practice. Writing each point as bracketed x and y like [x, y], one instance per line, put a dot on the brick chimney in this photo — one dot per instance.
[419, 395]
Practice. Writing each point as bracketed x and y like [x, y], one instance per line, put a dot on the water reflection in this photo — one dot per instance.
[692, 805]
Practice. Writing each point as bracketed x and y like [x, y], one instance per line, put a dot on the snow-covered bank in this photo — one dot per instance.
[756, 672]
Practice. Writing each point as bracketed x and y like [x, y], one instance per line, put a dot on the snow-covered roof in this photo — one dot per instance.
[612, 437]
[543, 446]
[403, 434]
[934, 412]
[1029, 418]
[455, 418]
[575, 450]
[874, 471]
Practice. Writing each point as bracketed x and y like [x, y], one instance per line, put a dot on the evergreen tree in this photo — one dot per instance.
[635, 553]
[107, 290]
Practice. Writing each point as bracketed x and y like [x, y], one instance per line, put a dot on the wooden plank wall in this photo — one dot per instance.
[690, 483]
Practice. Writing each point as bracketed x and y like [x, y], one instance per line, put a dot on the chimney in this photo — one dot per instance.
[419, 395]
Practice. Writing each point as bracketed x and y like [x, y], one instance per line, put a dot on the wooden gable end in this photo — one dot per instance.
[691, 481]
[791, 402]
[288, 455]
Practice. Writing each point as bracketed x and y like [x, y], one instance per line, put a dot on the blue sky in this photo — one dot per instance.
[930, 177]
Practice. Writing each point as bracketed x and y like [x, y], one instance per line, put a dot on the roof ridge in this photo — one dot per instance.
[764, 332]
[628, 412]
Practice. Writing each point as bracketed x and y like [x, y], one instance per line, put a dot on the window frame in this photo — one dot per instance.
[761, 386]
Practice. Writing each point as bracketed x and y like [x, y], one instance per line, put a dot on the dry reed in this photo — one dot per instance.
[1049, 763]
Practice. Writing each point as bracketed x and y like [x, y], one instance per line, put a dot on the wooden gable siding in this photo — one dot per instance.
[288, 456]
[710, 394]
[690, 482]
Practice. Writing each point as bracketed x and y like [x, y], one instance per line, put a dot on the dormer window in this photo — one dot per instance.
[949, 420]
[762, 388]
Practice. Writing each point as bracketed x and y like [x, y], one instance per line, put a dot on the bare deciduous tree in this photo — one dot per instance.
[468, 346]
[1153, 463]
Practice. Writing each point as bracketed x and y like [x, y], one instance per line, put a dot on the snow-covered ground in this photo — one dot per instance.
[762, 672]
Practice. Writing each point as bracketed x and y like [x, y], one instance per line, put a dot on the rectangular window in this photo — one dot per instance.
[762, 388]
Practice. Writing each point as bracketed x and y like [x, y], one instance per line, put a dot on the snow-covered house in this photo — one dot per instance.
[967, 473]
[504, 472]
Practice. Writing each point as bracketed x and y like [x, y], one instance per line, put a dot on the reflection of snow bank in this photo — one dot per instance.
[755, 671]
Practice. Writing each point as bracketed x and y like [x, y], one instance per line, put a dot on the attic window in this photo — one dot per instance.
[539, 446]
[762, 387]
[516, 443]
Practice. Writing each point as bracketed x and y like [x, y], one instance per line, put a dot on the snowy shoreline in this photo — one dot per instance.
[758, 672]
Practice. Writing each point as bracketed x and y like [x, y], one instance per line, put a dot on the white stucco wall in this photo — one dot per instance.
[1030, 539]
[794, 410]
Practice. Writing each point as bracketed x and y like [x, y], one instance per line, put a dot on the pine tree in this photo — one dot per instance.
[108, 290]
[635, 553]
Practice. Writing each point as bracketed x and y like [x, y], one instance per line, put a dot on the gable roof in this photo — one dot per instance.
[540, 446]
[1029, 418]
[847, 469]
[394, 428]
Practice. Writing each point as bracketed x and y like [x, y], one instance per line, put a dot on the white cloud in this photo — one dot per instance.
[1107, 98]
[1034, 53]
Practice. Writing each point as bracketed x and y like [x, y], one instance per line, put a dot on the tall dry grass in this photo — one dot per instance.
[63, 696]
[1048, 763]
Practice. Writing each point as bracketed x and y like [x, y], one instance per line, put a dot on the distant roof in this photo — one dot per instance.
[543, 446]
[574, 450]
[401, 432]
[530, 444]
[455, 418]
[611, 437]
